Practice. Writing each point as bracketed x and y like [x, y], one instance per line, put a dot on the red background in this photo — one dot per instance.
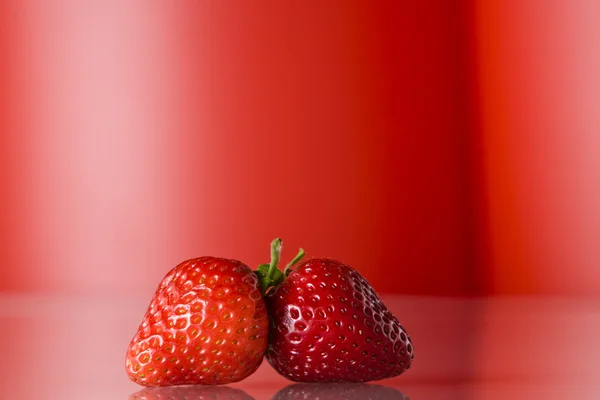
[446, 150]
[441, 148]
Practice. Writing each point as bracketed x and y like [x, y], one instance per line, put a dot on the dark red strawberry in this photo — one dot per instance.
[338, 391]
[329, 325]
[191, 393]
[206, 324]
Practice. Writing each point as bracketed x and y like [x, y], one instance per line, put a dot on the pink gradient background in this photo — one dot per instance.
[447, 150]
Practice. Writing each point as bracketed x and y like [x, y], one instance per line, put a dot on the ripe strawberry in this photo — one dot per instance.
[329, 325]
[206, 324]
[191, 393]
[338, 391]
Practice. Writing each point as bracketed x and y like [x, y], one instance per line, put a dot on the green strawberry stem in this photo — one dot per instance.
[298, 257]
[268, 274]
[275, 255]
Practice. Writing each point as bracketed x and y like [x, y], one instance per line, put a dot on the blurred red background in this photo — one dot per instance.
[441, 148]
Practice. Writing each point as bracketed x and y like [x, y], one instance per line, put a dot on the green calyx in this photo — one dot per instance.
[269, 275]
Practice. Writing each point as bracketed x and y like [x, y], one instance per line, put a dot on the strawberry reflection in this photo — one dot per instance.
[191, 393]
[338, 391]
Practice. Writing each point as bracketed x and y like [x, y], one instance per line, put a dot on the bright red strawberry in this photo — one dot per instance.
[206, 324]
[329, 325]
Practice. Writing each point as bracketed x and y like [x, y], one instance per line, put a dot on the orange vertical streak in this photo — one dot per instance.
[540, 103]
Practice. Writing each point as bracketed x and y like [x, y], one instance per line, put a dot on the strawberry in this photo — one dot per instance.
[329, 325]
[206, 324]
[191, 393]
[338, 391]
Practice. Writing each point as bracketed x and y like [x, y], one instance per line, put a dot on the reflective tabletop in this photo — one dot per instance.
[473, 348]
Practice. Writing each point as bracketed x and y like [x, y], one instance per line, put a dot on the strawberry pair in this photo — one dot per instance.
[212, 320]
